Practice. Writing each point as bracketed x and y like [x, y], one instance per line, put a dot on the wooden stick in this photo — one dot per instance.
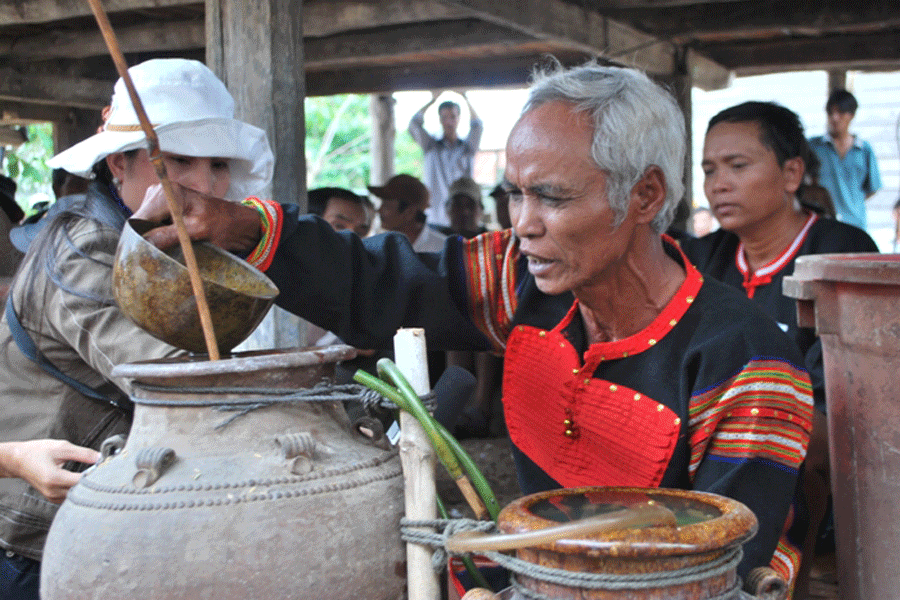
[417, 457]
[190, 259]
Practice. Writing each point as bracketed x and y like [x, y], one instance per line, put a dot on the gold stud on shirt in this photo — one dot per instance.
[651, 341]
[678, 420]
[542, 333]
[754, 411]
[613, 387]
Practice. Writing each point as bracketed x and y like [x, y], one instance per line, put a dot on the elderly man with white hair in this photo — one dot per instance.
[623, 365]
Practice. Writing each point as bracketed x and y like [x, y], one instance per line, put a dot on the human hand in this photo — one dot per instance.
[229, 225]
[39, 462]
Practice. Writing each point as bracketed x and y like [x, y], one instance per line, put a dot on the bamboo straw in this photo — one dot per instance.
[190, 259]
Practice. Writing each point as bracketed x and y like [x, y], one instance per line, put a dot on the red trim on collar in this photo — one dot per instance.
[650, 335]
[763, 275]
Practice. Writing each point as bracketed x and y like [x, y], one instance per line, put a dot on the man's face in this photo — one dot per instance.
[449, 117]
[744, 183]
[464, 213]
[394, 219]
[558, 203]
[838, 122]
[343, 214]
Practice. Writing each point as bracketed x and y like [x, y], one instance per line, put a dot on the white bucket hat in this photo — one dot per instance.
[192, 114]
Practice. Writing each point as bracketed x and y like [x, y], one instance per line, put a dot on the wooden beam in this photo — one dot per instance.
[579, 29]
[707, 74]
[755, 19]
[173, 36]
[493, 72]
[843, 51]
[54, 90]
[23, 12]
[410, 43]
[24, 113]
[654, 4]
[328, 17]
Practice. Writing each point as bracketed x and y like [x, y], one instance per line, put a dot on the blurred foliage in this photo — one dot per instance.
[338, 133]
[27, 165]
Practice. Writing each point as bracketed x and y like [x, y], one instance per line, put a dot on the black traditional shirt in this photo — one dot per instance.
[720, 254]
[721, 389]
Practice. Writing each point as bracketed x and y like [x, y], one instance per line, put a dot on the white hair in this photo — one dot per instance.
[637, 124]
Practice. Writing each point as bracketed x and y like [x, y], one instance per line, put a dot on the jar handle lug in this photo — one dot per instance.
[111, 446]
[300, 450]
[152, 463]
[765, 584]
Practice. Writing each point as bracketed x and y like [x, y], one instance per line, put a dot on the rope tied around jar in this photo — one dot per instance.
[260, 397]
[410, 531]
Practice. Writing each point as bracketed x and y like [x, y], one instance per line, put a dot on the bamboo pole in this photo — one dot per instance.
[417, 458]
[190, 259]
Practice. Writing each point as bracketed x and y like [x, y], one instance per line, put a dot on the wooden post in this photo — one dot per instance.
[381, 146]
[417, 457]
[256, 48]
[680, 83]
[837, 80]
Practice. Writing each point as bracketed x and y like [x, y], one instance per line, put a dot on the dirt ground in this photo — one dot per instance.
[493, 457]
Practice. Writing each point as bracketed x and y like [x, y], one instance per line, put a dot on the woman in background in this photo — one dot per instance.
[754, 161]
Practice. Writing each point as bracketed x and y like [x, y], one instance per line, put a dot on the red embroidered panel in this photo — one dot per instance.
[581, 430]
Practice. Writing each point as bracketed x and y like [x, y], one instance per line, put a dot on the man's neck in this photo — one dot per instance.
[764, 244]
[632, 295]
[843, 143]
[413, 231]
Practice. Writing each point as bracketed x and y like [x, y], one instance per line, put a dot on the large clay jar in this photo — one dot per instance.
[283, 501]
[710, 529]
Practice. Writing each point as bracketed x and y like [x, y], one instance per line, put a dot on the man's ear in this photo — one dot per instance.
[793, 171]
[649, 194]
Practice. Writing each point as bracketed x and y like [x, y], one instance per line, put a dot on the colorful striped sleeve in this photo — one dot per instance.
[763, 412]
[762, 415]
[490, 283]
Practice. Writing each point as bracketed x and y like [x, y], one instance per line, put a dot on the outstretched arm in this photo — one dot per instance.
[417, 124]
[476, 127]
[39, 462]
[473, 116]
[229, 225]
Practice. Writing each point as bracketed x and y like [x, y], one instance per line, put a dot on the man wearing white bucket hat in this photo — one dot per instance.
[61, 307]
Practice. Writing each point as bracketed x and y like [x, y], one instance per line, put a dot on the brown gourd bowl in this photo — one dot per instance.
[153, 289]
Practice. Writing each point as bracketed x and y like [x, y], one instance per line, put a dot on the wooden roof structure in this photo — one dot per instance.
[52, 55]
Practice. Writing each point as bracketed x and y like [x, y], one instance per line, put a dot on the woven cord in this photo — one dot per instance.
[411, 531]
[262, 397]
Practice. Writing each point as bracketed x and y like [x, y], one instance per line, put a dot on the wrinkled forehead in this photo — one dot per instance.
[553, 133]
